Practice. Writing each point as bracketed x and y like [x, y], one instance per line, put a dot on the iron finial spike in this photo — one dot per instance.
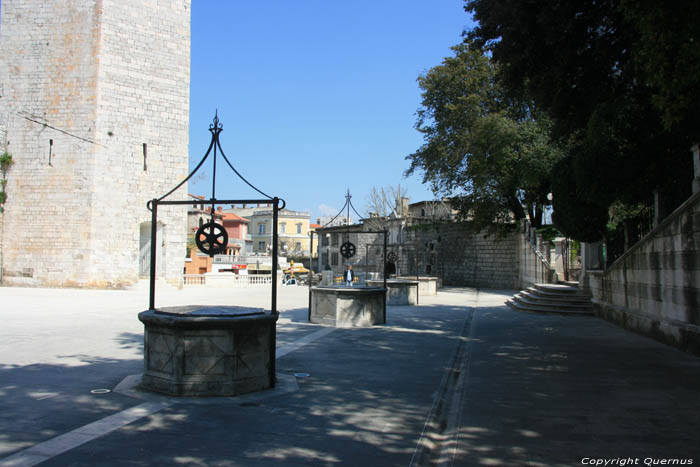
[216, 127]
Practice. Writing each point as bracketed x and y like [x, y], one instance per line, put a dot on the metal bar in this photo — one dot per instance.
[275, 239]
[311, 271]
[219, 201]
[215, 136]
[385, 245]
[154, 245]
[385, 289]
[366, 262]
[273, 330]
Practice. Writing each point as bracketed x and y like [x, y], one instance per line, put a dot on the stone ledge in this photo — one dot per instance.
[163, 318]
[677, 334]
[131, 387]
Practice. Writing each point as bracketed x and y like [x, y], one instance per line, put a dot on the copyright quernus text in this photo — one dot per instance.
[622, 461]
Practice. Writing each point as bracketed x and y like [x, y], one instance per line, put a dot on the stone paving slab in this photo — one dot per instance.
[459, 380]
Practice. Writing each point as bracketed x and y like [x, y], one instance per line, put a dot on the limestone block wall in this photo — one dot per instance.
[448, 250]
[462, 257]
[654, 288]
[48, 75]
[368, 255]
[101, 86]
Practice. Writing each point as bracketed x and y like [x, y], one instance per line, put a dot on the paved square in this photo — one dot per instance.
[459, 380]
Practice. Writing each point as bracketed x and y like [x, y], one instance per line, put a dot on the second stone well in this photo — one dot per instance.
[399, 291]
[348, 306]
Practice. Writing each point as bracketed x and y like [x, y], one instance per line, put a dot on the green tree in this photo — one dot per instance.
[667, 53]
[600, 70]
[488, 151]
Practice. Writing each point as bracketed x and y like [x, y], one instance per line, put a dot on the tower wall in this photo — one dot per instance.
[100, 78]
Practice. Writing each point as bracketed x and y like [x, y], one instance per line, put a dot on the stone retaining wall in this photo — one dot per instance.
[461, 257]
[654, 288]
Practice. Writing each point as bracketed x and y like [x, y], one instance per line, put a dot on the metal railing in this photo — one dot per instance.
[544, 272]
[242, 259]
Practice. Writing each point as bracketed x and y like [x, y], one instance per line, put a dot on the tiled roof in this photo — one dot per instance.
[229, 216]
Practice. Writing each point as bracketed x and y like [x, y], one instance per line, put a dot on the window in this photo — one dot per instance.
[334, 258]
[334, 239]
[261, 228]
[298, 228]
[324, 240]
[283, 227]
[261, 246]
[297, 246]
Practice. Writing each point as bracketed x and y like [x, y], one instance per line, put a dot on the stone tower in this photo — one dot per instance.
[94, 109]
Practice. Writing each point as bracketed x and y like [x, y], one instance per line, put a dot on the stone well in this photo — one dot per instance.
[348, 306]
[427, 285]
[208, 350]
[399, 291]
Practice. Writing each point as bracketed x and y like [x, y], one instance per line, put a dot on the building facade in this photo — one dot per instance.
[292, 228]
[239, 240]
[95, 113]
[434, 210]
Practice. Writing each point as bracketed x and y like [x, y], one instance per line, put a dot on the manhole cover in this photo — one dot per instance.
[100, 391]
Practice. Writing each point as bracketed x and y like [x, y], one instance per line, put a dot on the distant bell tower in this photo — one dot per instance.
[94, 110]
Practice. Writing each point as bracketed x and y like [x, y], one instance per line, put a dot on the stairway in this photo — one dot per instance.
[565, 299]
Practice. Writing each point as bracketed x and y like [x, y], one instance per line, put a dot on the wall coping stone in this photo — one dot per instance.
[680, 210]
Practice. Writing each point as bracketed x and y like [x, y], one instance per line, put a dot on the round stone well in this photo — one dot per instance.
[208, 350]
[347, 307]
[399, 291]
[427, 285]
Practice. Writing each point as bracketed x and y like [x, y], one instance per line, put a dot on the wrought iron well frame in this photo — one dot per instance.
[347, 205]
[215, 128]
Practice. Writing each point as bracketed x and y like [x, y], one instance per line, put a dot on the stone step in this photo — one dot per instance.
[544, 295]
[552, 305]
[566, 299]
[557, 288]
[532, 309]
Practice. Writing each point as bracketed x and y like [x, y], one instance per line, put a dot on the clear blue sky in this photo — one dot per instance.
[315, 96]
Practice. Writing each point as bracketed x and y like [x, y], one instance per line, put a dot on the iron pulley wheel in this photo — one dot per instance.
[392, 256]
[211, 238]
[347, 249]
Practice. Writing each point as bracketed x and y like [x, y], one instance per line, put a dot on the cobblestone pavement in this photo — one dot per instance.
[459, 380]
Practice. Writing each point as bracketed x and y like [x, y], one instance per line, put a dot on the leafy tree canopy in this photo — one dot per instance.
[619, 79]
[490, 152]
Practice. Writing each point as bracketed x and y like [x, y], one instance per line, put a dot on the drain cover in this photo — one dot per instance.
[100, 391]
[302, 375]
